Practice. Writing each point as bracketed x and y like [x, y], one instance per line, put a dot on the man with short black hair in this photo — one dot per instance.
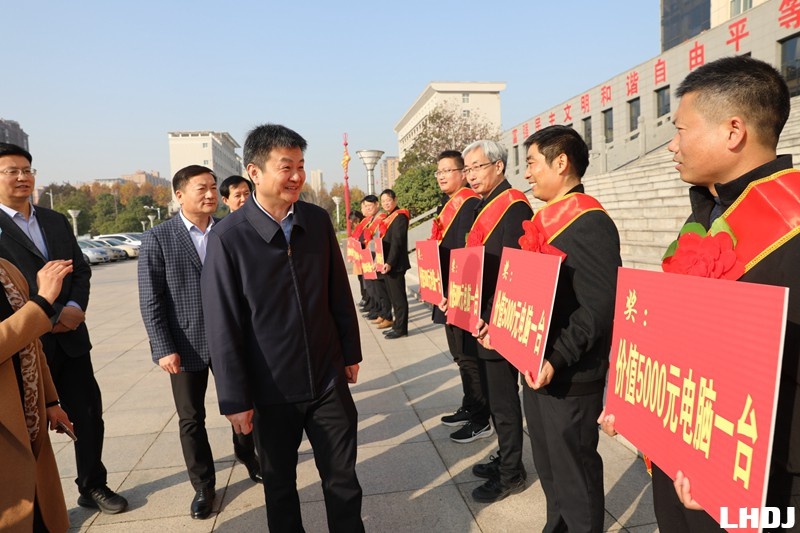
[29, 238]
[394, 236]
[235, 190]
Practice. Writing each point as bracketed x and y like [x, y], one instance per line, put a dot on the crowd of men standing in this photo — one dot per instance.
[261, 300]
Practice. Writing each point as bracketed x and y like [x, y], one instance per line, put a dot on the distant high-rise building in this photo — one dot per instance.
[317, 182]
[389, 173]
[468, 98]
[682, 20]
[215, 150]
[12, 132]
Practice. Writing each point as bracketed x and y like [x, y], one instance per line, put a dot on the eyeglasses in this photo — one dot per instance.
[470, 170]
[18, 172]
[447, 172]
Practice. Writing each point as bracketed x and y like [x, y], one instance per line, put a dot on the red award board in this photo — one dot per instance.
[367, 266]
[377, 243]
[353, 247]
[693, 380]
[430, 271]
[464, 287]
[523, 305]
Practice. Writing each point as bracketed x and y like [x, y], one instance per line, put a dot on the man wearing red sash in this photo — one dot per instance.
[378, 309]
[730, 117]
[450, 227]
[565, 399]
[394, 234]
[498, 224]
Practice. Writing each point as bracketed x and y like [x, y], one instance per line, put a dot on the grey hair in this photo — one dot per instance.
[491, 149]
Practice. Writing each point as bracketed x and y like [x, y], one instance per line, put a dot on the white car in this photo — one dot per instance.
[131, 250]
[130, 238]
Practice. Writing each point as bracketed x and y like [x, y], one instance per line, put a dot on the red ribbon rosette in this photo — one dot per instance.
[436, 230]
[533, 240]
[706, 254]
[474, 238]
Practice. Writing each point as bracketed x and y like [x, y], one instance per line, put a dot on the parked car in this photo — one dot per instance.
[131, 250]
[124, 237]
[94, 254]
[115, 254]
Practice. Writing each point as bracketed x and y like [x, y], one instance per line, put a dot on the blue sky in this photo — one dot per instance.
[98, 84]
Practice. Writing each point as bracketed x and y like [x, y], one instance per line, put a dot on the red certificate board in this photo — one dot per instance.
[464, 287]
[693, 380]
[523, 305]
[429, 268]
[353, 247]
[367, 266]
[377, 243]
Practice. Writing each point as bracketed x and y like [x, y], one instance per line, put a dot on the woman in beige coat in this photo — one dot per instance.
[30, 487]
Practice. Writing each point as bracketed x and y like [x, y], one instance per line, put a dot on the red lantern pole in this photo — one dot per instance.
[345, 164]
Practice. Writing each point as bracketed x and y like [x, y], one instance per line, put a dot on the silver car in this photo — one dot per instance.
[94, 254]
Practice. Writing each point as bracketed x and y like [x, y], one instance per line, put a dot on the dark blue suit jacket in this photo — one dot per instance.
[280, 319]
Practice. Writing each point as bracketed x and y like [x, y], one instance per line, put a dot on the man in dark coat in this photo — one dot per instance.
[29, 237]
[394, 234]
[283, 333]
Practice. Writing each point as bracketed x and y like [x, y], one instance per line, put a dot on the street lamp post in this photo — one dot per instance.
[155, 208]
[337, 200]
[152, 219]
[370, 159]
[74, 214]
[144, 225]
[50, 192]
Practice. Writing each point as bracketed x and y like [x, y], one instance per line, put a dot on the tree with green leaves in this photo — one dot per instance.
[417, 190]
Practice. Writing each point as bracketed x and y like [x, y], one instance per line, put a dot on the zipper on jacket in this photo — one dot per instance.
[302, 320]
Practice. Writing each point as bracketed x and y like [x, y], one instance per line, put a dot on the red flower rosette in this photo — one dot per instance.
[708, 255]
[534, 240]
[436, 230]
[382, 227]
[474, 238]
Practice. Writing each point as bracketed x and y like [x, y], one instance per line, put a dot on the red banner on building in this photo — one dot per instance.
[430, 271]
[523, 305]
[693, 380]
[377, 245]
[353, 250]
[464, 287]
[367, 266]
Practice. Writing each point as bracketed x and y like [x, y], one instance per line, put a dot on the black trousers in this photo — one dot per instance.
[189, 393]
[384, 303]
[331, 424]
[564, 437]
[502, 389]
[474, 399]
[80, 397]
[396, 288]
[672, 515]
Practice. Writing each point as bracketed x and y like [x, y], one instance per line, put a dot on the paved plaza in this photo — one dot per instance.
[414, 478]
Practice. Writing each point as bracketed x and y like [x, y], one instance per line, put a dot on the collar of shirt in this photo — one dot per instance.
[13, 212]
[29, 226]
[285, 224]
[198, 237]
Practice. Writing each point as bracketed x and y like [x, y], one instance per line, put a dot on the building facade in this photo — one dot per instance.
[389, 172]
[629, 115]
[215, 150]
[140, 177]
[469, 98]
[12, 132]
[317, 183]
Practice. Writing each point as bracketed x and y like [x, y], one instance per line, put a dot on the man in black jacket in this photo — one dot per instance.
[498, 224]
[283, 333]
[29, 237]
[394, 234]
[562, 410]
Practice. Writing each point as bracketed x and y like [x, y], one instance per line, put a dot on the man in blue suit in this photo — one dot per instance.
[170, 263]
[283, 333]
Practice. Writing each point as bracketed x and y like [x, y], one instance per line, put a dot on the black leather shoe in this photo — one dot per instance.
[202, 503]
[395, 335]
[253, 468]
[495, 490]
[371, 315]
[104, 499]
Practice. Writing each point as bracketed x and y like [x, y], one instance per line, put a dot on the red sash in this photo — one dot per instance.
[374, 224]
[558, 214]
[358, 230]
[765, 216]
[442, 222]
[492, 214]
[384, 226]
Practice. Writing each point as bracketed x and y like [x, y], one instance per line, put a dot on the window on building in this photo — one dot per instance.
[587, 131]
[634, 110]
[662, 101]
[790, 63]
[464, 98]
[205, 145]
[608, 125]
[205, 162]
[738, 6]
[465, 113]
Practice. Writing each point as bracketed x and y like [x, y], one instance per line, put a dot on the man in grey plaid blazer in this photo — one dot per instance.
[170, 263]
